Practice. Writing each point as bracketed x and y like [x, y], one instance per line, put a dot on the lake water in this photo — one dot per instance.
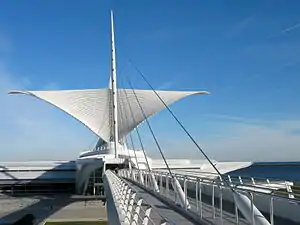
[273, 170]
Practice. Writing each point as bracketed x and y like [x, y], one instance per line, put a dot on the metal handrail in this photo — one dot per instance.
[125, 208]
[234, 184]
[225, 175]
[218, 184]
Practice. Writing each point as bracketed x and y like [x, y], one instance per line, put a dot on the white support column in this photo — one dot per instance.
[182, 198]
[154, 182]
[248, 209]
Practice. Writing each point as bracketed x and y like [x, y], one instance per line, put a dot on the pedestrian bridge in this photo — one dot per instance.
[152, 197]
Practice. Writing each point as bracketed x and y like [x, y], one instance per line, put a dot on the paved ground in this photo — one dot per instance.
[60, 207]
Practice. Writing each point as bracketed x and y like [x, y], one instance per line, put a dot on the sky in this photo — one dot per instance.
[246, 53]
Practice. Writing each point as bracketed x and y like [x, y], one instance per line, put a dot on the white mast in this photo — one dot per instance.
[113, 78]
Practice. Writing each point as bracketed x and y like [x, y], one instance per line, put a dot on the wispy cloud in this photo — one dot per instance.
[239, 27]
[5, 44]
[166, 34]
[285, 31]
[273, 70]
[296, 26]
[166, 85]
[247, 21]
[243, 139]
[51, 86]
[34, 130]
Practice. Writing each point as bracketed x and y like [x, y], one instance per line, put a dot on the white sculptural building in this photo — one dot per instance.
[111, 113]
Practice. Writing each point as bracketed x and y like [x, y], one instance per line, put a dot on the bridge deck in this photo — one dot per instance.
[172, 214]
[160, 209]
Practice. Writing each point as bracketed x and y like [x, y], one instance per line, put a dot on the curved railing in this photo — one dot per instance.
[131, 208]
[253, 184]
[212, 198]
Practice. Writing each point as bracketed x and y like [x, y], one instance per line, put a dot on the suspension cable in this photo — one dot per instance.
[150, 128]
[132, 144]
[126, 141]
[137, 131]
[177, 120]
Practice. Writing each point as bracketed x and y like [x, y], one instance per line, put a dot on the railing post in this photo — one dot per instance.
[197, 194]
[221, 205]
[141, 178]
[249, 211]
[178, 189]
[160, 183]
[213, 202]
[167, 185]
[154, 182]
[229, 179]
[185, 193]
[146, 180]
[252, 208]
[236, 213]
[200, 198]
[240, 179]
[272, 211]
[289, 190]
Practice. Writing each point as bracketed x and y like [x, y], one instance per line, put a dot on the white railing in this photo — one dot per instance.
[209, 196]
[131, 208]
[282, 187]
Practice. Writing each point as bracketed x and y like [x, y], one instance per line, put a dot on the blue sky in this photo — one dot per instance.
[245, 52]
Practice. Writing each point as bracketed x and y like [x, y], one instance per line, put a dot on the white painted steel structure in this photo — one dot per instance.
[208, 197]
[93, 108]
[100, 110]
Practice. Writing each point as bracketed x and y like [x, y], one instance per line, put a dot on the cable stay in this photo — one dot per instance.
[175, 183]
[153, 180]
[129, 160]
[133, 148]
[242, 201]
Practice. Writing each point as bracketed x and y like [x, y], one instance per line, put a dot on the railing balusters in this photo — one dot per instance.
[210, 186]
[127, 207]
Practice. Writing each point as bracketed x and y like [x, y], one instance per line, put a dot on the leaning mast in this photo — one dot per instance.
[113, 84]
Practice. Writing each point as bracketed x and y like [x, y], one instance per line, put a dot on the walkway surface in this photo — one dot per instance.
[160, 209]
[171, 214]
